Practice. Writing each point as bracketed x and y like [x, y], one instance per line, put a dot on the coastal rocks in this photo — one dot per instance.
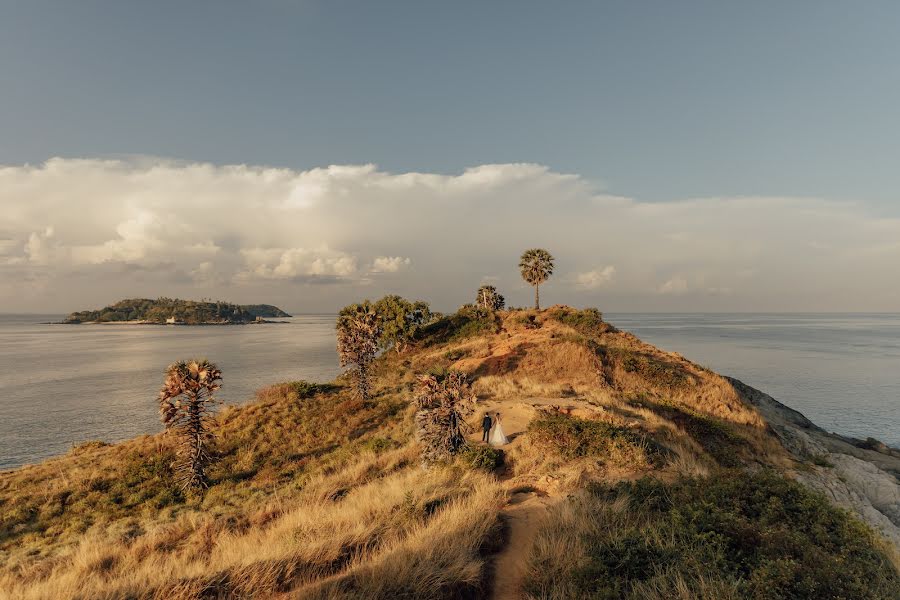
[861, 476]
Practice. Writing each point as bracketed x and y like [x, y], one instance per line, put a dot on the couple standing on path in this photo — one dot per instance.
[492, 431]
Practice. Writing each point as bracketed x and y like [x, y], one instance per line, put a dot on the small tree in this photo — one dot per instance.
[185, 401]
[536, 265]
[443, 405]
[401, 320]
[358, 335]
[489, 298]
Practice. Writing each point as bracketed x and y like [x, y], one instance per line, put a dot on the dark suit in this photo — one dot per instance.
[486, 424]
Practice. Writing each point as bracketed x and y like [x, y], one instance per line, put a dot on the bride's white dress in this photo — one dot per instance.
[498, 438]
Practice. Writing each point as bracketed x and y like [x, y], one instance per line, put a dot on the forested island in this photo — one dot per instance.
[176, 311]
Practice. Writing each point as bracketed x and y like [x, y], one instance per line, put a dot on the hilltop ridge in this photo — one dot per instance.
[631, 472]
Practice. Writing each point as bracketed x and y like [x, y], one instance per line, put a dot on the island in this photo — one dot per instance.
[174, 311]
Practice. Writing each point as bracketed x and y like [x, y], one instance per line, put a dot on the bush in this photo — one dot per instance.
[588, 321]
[527, 321]
[744, 535]
[467, 322]
[572, 437]
[481, 456]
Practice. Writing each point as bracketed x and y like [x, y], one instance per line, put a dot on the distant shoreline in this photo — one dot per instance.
[204, 324]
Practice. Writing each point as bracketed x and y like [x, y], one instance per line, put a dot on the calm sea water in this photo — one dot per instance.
[840, 370]
[63, 384]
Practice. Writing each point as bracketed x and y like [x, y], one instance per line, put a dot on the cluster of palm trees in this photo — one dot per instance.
[186, 398]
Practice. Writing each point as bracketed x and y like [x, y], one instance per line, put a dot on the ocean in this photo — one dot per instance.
[64, 384]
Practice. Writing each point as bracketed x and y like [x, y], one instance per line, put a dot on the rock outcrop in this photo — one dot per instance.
[862, 476]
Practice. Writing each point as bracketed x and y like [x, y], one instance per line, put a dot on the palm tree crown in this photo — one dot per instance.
[536, 266]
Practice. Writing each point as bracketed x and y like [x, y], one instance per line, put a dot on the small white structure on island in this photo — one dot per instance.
[172, 321]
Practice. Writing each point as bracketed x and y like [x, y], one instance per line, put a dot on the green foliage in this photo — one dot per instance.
[572, 437]
[190, 312]
[401, 320]
[588, 321]
[489, 299]
[306, 389]
[536, 266]
[482, 456]
[654, 370]
[750, 535]
[527, 321]
[715, 436]
[468, 321]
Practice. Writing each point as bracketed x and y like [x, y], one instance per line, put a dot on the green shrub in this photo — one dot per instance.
[655, 371]
[747, 535]
[527, 321]
[715, 436]
[571, 437]
[468, 321]
[481, 456]
[306, 389]
[588, 321]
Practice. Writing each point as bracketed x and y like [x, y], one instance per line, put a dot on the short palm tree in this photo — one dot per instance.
[185, 401]
[358, 338]
[489, 298]
[443, 403]
[536, 266]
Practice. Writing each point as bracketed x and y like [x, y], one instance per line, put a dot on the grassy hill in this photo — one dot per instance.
[631, 473]
[190, 312]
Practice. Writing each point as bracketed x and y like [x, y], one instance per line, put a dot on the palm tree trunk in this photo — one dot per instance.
[537, 297]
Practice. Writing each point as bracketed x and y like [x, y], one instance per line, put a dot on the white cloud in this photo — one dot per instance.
[297, 264]
[389, 264]
[676, 286]
[591, 280]
[91, 231]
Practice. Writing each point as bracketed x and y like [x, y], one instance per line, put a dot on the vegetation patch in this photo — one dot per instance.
[188, 312]
[572, 437]
[482, 456]
[469, 321]
[734, 535]
[658, 372]
[588, 321]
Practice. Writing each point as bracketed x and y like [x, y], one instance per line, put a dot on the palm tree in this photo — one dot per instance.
[184, 408]
[443, 403]
[536, 265]
[358, 337]
[489, 298]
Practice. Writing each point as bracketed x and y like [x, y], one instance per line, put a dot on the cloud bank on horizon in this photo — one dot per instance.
[80, 233]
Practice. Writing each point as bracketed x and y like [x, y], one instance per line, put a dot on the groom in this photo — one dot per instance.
[486, 424]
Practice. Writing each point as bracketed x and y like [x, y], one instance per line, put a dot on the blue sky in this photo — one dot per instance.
[708, 156]
[656, 100]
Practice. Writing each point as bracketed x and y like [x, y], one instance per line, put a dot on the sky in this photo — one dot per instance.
[691, 156]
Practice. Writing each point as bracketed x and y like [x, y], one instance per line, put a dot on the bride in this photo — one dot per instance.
[497, 436]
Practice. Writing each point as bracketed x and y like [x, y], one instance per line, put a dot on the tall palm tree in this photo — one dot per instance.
[358, 337]
[185, 401]
[536, 265]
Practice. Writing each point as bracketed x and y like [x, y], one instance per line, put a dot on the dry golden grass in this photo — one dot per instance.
[364, 525]
[319, 495]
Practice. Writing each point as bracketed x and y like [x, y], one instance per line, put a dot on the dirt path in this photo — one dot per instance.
[525, 510]
[523, 516]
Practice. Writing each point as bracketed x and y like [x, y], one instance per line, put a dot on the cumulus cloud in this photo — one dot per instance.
[389, 264]
[591, 280]
[86, 232]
